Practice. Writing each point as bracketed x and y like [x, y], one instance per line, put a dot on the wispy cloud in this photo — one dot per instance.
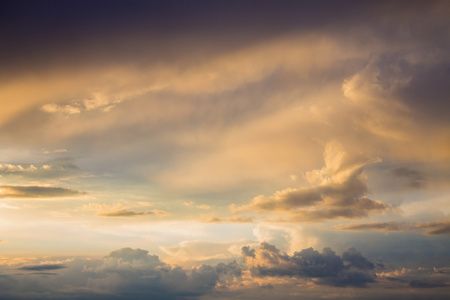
[120, 210]
[431, 228]
[43, 267]
[30, 192]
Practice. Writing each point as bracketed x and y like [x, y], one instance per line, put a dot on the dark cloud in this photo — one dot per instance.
[124, 213]
[390, 226]
[135, 274]
[434, 228]
[352, 269]
[420, 278]
[427, 284]
[415, 178]
[46, 267]
[431, 228]
[98, 30]
[9, 191]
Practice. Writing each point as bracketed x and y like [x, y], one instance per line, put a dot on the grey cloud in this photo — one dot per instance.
[428, 283]
[46, 267]
[9, 191]
[415, 178]
[355, 259]
[124, 213]
[434, 228]
[352, 269]
[389, 226]
[431, 228]
[419, 278]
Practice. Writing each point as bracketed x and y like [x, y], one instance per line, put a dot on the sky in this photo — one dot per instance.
[224, 149]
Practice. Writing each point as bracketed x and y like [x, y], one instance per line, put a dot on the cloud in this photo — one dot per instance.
[192, 204]
[55, 168]
[8, 191]
[121, 210]
[211, 219]
[43, 267]
[431, 228]
[124, 213]
[414, 178]
[420, 278]
[129, 273]
[434, 228]
[338, 191]
[352, 269]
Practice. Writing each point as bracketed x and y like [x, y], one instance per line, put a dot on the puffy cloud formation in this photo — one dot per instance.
[338, 191]
[352, 269]
[135, 274]
[124, 274]
[54, 168]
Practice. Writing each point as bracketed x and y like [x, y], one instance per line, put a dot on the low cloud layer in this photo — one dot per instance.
[135, 274]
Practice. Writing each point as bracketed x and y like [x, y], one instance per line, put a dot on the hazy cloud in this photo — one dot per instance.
[120, 210]
[414, 178]
[7, 191]
[55, 168]
[212, 219]
[434, 228]
[419, 278]
[431, 228]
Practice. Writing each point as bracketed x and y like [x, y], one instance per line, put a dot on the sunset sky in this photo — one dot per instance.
[224, 149]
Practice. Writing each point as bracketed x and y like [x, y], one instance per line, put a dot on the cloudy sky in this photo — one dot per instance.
[224, 149]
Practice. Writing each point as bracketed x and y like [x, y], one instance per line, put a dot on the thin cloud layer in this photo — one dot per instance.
[430, 228]
[31, 192]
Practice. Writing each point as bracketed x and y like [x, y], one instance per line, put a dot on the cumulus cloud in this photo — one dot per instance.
[123, 274]
[338, 191]
[352, 269]
[30, 192]
[129, 273]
